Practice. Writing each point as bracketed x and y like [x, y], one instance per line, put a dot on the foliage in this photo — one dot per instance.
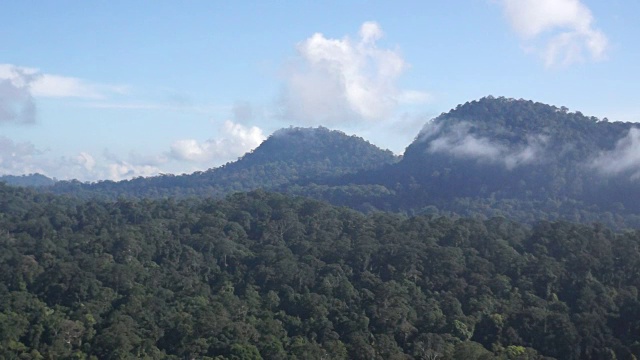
[262, 275]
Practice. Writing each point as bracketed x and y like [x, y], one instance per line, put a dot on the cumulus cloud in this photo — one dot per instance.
[340, 80]
[236, 140]
[460, 142]
[624, 158]
[18, 158]
[24, 158]
[121, 170]
[39, 84]
[562, 32]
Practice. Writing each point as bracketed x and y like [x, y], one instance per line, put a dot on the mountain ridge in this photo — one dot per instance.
[288, 155]
[491, 156]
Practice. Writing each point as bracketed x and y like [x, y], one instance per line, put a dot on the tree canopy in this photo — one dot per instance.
[266, 276]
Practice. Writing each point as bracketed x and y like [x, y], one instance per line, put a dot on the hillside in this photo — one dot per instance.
[289, 155]
[515, 149]
[509, 148]
[516, 158]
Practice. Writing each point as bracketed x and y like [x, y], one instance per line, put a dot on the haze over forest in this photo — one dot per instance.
[247, 181]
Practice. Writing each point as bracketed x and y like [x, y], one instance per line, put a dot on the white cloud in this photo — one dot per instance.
[85, 160]
[55, 86]
[341, 80]
[236, 140]
[24, 158]
[17, 157]
[121, 170]
[460, 142]
[565, 27]
[625, 157]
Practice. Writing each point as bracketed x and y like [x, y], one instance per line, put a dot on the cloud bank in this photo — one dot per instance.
[345, 80]
[561, 32]
[624, 158]
[460, 142]
[235, 141]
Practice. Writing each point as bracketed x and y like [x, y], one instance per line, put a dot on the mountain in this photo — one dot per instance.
[289, 155]
[500, 156]
[509, 148]
[489, 157]
[31, 180]
[505, 157]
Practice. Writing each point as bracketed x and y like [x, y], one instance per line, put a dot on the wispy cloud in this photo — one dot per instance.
[460, 142]
[561, 32]
[624, 158]
[342, 80]
[40, 84]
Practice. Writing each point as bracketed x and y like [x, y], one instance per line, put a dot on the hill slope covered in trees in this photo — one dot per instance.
[515, 158]
[287, 156]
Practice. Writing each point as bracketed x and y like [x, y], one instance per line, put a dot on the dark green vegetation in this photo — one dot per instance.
[262, 275]
[194, 267]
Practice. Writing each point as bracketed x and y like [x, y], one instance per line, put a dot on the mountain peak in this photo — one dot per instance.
[318, 144]
[513, 113]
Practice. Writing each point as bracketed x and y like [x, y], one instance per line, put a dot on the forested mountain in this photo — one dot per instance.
[494, 156]
[287, 156]
[266, 276]
[516, 158]
[514, 149]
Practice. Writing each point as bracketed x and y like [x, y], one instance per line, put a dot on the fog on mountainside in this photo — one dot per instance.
[493, 156]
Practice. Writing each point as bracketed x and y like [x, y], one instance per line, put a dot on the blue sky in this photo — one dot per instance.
[113, 90]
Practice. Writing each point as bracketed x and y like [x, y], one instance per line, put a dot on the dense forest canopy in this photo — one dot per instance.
[266, 276]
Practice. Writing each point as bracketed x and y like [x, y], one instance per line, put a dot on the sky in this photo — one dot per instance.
[96, 90]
